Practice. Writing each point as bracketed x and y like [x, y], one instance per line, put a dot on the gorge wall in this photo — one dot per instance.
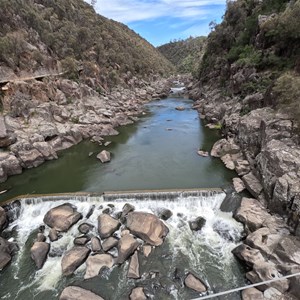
[248, 84]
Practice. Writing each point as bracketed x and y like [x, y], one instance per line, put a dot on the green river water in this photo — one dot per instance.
[157, 152]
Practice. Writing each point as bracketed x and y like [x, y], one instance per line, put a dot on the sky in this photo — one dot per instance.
[160, 21]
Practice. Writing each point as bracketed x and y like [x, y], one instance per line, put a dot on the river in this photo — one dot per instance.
[157, 152]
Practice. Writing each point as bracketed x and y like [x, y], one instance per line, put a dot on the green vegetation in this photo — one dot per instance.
[287, 92]
[37, 34]
[264, 35]
[256, 48]
[186, 54]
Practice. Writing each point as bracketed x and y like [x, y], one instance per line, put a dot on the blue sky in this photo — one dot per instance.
[160, 21]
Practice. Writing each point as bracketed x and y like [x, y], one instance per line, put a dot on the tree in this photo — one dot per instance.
[93, 2]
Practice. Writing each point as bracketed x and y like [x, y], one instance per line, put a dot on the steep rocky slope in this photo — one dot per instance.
[68, 74]
[248, 85]
[186, 54]
[41, 35]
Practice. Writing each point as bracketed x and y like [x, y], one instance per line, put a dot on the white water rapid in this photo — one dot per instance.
[207, 252]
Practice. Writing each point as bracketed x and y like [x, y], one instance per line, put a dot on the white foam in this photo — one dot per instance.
[180, 237]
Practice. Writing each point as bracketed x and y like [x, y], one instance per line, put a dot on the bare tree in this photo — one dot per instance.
[93, 2]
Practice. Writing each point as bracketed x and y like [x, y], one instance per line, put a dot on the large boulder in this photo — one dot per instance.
[31, 158]
[62, 217]
[107, 225]
[85, 228]
[104, 156]
[78, 293]
[137, 294]
[264, 271]
[147, 226]
[252, 214]
[265, 241]
[46, 150]
[39, 252]
[7, 249]
[95, 263]
[110, 243]
[126, 246]
[74, 258]
[252, 184]
[195, 283]
[252, 294]
[3, 218]
[134, 267]
[10, 164]
[247, 254]
[223, 147]
[95, 244]
[276, 160]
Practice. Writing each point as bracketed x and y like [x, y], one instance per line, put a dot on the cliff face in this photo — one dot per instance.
[248, 83]
[41, 35]
[186, 54]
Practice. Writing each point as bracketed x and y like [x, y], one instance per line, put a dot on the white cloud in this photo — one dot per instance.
[127, 11]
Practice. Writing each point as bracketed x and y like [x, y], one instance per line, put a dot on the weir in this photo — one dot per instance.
[160, 194]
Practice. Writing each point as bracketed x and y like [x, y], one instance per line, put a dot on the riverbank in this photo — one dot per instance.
[40, 118]
[262, 146]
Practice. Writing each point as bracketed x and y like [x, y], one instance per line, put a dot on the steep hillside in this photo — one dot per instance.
[256, 49]
[249, 83]
[249, 86]
[185, 54]
[38, 35]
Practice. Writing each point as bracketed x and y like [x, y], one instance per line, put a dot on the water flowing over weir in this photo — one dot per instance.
[207, 253]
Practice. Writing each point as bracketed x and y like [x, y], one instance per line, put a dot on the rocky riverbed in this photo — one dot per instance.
[138, 249]
[262, 146]
[40, 118]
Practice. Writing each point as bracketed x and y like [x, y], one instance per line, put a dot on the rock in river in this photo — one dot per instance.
[73, 258]
[62, 217]
[195, 283]
[126, 246]
[78, 293]
[95, 263]
[107, 225]
[137, 294]
[104, 156]
[148, 227]
[197, 224]
[134, 267]
[39, 252]
[3, 218]
[7, 249]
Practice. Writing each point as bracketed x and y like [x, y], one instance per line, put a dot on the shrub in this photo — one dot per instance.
[287, 93]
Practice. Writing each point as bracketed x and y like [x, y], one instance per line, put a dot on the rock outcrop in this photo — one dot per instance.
[62, 217]
[78, 293]
[95, 263]
[42, 118]
[107, 225]
[126, 246]
[74, 258]
[39, 252]
[137, 294]
[3, 219]
[195, 283]
[148, 227]
[104, 156]
[7, 250]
